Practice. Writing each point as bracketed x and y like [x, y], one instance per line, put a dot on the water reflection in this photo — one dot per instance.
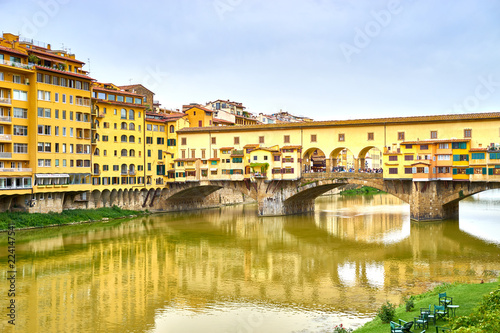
[226, 270]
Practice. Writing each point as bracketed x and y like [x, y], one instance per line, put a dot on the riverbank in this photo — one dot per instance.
[468, 296]
[361, 190]
[23, 220]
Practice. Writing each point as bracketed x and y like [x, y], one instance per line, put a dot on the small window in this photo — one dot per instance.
[467, 133]
[313, 138]
[236, 140]
[370, 136]
[341, 137]
[286, 139]
[261, 139]
[214, 140]
[434, 134]
[183, 141]
[401, 136]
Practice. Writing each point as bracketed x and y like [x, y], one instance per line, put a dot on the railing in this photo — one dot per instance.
[6, 119]
[96, 172]
[16, 64]
[5, 155]
[124, 173]
[5, 137]
[132, 172]
[15, 170]
[5, 100]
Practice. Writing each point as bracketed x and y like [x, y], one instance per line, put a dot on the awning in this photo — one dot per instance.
[52, 175]
[213, 169]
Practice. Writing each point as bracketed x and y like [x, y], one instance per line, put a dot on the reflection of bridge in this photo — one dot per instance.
[430, 200]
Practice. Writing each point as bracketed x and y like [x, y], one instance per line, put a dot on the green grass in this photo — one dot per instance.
[468, 296]
[25, 220]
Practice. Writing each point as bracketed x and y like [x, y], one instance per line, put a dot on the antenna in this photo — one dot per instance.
[88, 62]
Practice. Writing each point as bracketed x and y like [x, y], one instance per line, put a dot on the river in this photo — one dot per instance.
[227, 270]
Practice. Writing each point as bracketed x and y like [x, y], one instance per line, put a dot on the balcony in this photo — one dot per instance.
[96, 172]
[124, 173]
[16, 64]
[15, 170]
[5, 137]
[132, 172]
[5, 155]
[5, 119]
[6, 101]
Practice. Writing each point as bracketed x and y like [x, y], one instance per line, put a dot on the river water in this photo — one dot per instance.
[227, 270]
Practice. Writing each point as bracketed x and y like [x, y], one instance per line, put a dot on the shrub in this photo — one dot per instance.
[486, 318]
[409, 303]
[387, 312]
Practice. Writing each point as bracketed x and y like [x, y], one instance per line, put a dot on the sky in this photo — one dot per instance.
[321, 59]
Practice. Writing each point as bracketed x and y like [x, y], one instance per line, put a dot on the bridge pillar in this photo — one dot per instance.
[426, 203]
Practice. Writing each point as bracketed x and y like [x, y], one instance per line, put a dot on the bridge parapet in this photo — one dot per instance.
[341, 175]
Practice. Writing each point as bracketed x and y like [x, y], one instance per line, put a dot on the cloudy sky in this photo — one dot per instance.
[323, 59]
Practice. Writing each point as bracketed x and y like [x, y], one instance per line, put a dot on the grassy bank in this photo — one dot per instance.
[468, 296]
[26, 220]
[361, 190]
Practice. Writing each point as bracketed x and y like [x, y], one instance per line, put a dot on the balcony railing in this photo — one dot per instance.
[5, 155]
[5, 101]
[15, 64]
[132, 172]
[6, 119]
[124, 173]
[5, 137]
[15, 170]
[96, 172]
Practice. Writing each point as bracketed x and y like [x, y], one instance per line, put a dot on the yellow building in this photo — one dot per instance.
[47, 93]
[117, 138]
[198, 116]
[161, 146]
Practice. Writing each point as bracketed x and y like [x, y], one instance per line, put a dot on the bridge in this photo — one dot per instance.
[432, 200]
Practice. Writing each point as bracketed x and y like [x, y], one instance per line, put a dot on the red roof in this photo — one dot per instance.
[63, 72]
[52, 55]
[10, 50]
[199, 107]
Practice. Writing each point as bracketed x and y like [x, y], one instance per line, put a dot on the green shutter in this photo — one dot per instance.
[455, 171]
[469, 171]
[484, 171]
[490, 172]
[456, 158]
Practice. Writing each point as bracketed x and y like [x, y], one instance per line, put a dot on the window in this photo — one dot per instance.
[56, 97]
[236, 140]
[424, 147]
[408, 157]
[370, 136]
[214, 139]
[341, 137]
[434, 134]
[131, 115]
[20, 130]
[443, 157]
[401, 136]
[313, 138]
[70, 98]
[286, 138]
[183, 141]
[261, 139]
[20, 95]
[394, 157]
[459, 145]
[444, 146]
[43, 95]
[21, 148]
[123, 114]
[467, 133]
[393, 171]
[459, 158]
[172, 130]
[20, 113]
[478, 156]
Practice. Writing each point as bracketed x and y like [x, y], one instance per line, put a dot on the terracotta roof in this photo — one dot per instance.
[186, 159]
[214, 159]
[478, 149]
[250, 146]
[420, 162]
[10, 50]
[217, 120]
[130, 86]
[63, 72]
[433, 141]
[199, 107]
[226, 148]
[52, 55]
[265, 149]
[117, 91]
[291, 147]
[103, 101]
[356, 122]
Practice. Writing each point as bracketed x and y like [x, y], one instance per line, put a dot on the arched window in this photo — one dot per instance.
[131, 115]
[124, 138]
[131, 153]
[96, 152]
[124, 114]
[96, 137]
[131, 139]
[131, 126]
[96, 123]
[172, 129]
[124, 126]
[124, 152]
[124, 169]
[131, 168]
